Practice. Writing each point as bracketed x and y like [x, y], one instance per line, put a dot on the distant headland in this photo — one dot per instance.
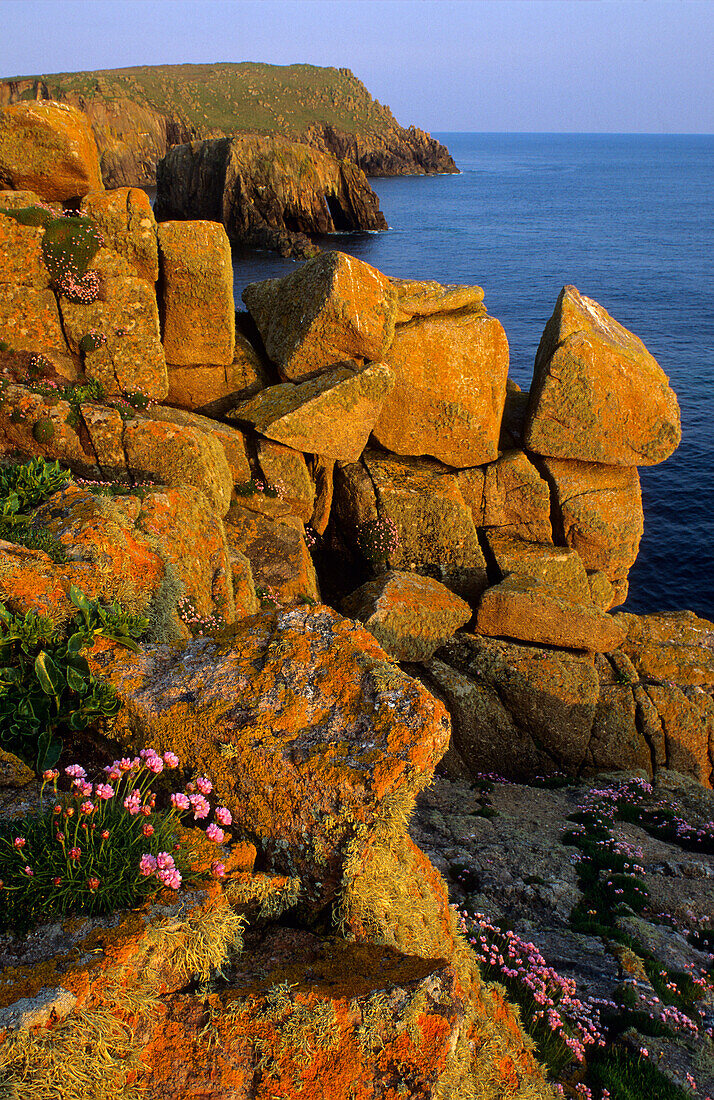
[138, 114]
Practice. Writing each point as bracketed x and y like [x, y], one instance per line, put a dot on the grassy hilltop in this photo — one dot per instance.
[229, 97]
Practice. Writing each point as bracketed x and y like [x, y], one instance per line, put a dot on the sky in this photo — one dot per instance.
[623, 66]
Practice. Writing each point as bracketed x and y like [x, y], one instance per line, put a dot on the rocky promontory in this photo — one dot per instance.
[268, 192]
[138, 114]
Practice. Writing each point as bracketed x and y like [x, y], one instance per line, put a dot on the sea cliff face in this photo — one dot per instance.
[138, 114]
[267, 191]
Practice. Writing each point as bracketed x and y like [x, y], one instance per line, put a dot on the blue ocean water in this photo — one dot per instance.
[629, 220]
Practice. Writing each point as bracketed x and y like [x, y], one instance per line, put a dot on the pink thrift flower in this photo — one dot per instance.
[171, 878]
[75, 771]
[223, 815]
[103, 790]
[19, 842]
[82, 787]
[171, 760]
[218, 869]
[53, 773]
[147, 830]
[154, 764]
[28, 871]
[104, 834]
[214, 833]
[87, 807]
[145, 810]
[204, 785]
[200, 806]
[132, 802]
[147, 865]
[57, 881]
[180, 801]
[75, 853]
[164, 861]
[93, 883]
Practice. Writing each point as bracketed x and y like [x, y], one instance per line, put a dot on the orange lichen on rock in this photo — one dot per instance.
[48, 148]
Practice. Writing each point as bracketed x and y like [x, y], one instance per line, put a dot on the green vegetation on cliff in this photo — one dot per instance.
[229, 97]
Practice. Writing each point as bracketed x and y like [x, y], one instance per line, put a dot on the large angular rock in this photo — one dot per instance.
[560, 570]
[598, 512]
[332, 309]
[213, 390]
[231, 441]
[597, 394]
[21, 262]
[525, 608]
[128, 226]
[30, 321]
[198, 312]
[303, 702]
[450, 388]
[286, 471]
[410, 616]
[32, 424]
[416, 298]
[330, 415]
[48, 148]
[179, 455]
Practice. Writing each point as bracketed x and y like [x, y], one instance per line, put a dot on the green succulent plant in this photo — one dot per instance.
[46, 686]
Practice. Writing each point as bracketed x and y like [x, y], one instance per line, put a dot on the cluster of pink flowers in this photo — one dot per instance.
[198, 624]
[554, 997]
[82, 288]
[163, 867]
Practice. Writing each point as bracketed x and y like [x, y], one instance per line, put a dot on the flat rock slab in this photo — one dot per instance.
[416, 298]
[525, 608]
[558, 567]
[331, 415]
[597, 394]
[333, 308]
[410, 616]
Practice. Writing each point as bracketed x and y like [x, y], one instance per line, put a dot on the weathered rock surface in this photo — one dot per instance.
[417, 298]
[450, 388]
[127, 223]
[332, 309]
[267, 191]
[597, 393]
[212, 390]
[410, 616]
[330, 415]
[276, 549]
[198, 314]
[598, 512]
[48, 148]
[525, 608]
[561, 570]
[336, 685]
[509, 497]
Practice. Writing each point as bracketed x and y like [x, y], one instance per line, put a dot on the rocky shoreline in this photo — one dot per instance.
[314, 556]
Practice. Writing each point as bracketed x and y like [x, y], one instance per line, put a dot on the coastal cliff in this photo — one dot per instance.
[268, 192]
[138, 114]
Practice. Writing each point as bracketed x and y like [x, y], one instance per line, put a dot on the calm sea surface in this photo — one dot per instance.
[627, 219]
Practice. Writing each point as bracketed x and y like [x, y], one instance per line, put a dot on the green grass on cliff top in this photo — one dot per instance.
[230, 96]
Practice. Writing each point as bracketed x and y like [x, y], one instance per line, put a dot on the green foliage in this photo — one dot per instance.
[69, 246]
[31, 215]
[631, 1077]
[32, 539]
[46, 686]
[32, 482]
[43, 430]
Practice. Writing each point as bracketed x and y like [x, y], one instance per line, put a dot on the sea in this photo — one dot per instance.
[626, 218]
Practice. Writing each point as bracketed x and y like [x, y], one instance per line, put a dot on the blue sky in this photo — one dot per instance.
[553, 65]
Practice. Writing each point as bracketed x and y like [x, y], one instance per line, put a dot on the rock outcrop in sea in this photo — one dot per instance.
[364, 555]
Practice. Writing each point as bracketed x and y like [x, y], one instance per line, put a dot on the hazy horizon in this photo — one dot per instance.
[450, 66]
